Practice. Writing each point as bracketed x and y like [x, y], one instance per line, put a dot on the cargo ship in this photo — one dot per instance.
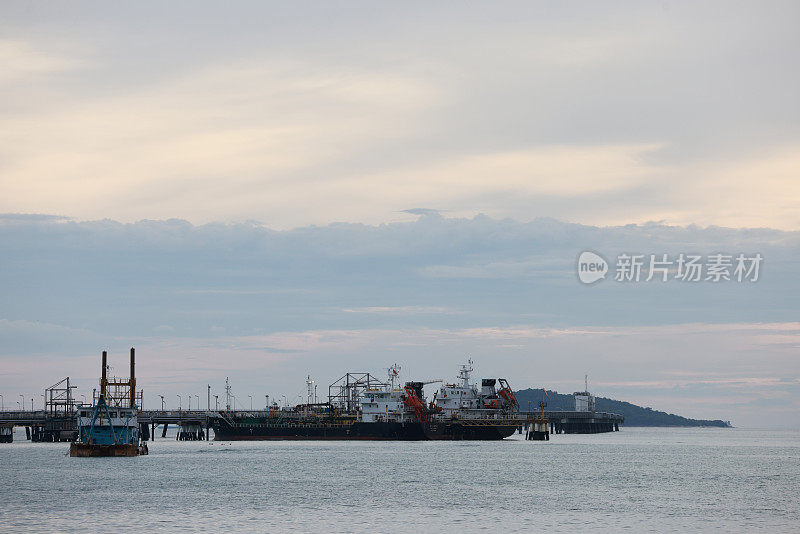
[360, 407]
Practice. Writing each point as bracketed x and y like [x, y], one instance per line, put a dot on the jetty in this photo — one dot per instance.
[58, 421]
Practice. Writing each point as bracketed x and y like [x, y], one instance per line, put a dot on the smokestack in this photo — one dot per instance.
[133, 377]
[103, 378]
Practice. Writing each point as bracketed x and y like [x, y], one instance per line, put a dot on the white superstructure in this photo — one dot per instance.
[453, 398]
[461, 400]
[386, 404]
[584, 401]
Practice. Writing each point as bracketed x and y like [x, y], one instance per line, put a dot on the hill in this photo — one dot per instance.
[634, 415]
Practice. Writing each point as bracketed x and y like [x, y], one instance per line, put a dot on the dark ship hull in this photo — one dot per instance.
[266, 429]
[90, 450]
[471, 430]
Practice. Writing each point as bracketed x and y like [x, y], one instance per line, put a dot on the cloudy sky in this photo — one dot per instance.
[268, 190]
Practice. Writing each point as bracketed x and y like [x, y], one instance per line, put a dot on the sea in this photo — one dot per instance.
[635, 480]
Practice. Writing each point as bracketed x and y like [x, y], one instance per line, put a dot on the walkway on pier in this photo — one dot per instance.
[572, 422]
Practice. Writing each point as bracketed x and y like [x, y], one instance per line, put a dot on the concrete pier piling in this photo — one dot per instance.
[192, 431]
[538, 431]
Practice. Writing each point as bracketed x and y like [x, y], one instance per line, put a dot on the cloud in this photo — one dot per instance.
[435, 271]
[495, 269]
[23, 62]
[423, 211]
[401, 310]
[548, 169]
[602, 119]
[20, 336]
[32, 217]
[252, 125]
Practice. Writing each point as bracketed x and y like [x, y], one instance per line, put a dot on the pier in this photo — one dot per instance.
[573, 422]
[58, 421]
[196, 424]
[42, 427]
[192, 425]
[578, 422]
[584, 419]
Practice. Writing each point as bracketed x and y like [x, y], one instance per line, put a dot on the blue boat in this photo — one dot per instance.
[109, 427]
[107, 431]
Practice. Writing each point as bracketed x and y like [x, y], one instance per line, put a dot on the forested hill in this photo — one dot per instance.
[634, 415]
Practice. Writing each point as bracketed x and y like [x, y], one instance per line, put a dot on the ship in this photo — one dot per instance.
[361, 407]
[107, 431]
[109, 426]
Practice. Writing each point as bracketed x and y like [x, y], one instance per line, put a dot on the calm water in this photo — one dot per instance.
[641, 480]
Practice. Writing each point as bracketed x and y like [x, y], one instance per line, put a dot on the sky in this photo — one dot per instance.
[269, 190]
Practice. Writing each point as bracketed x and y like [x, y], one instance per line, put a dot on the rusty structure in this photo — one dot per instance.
[58, 399]
[118, 392]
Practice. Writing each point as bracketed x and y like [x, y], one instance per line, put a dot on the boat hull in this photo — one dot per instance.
[315, 431]
[85, 450]
[386, 431]
[469, 431]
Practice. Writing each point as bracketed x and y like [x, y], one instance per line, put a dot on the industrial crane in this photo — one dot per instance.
[413, 398]
[507, 394]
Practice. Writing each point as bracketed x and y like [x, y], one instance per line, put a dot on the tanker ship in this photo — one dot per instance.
[361, 407]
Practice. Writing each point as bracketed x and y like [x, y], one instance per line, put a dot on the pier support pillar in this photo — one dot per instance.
[144, 431]
[537, 432]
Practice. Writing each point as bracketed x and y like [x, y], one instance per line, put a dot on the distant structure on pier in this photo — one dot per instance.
[584, 401]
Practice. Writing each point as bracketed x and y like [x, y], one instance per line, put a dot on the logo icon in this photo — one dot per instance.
[591, 267]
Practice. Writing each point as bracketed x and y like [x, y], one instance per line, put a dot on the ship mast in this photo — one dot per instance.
[310, 393]
[394, 374]
[464, 373]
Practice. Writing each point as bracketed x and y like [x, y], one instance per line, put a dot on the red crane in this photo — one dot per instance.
[507, 394]
[415, 403]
